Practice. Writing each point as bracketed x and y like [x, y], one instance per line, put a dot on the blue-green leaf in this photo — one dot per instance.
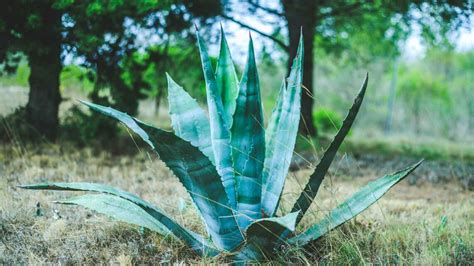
[226, 79]
[271, 130]
[188, 119]
[118, 208]
[163, 223]
[248, 144]
[311, 189]
[196, 173]
[220, 126]
[283, 129]
[360, 201]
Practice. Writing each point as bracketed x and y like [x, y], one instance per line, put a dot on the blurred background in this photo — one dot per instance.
[419, 55]
[419, 104]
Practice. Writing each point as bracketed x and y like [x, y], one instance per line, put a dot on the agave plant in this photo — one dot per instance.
[231, 167]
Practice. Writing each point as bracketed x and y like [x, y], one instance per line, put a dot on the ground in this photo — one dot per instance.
[424, 223]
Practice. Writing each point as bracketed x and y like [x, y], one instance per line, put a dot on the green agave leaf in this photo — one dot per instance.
[227, 81]
[220, 133]
[162, 220]
[263, 235]
[353, 206]
[283, 129]
[195, 172]
[117, 208]
[311, 189]
[188, 119]
[273, 123]
[248, 144]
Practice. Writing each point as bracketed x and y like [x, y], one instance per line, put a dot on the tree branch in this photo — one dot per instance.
[266, 9]
[243, 25]
[342, 11]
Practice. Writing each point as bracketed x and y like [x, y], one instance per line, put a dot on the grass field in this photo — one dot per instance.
[423, 224]
[427, 219]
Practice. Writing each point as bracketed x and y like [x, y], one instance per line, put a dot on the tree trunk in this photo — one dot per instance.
[302, 15]
[391, 97]
[44, 58]
[44, 96]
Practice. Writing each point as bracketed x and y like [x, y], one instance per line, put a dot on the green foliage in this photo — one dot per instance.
[235, 175]
[366, 29]
[72, 76]
[77, 77]
[415, 86]
[127, 68]
[178, 59]
[445, 113]
[326, 120]
[16, 75]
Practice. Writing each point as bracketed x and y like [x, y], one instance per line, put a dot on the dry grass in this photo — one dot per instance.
[405, 227]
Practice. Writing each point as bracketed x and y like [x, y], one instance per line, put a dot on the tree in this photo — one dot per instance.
[417, 88]
[106, 37]
[145, 69]
[34, 28]
[102, 33]
[300, 17]
[331, 24]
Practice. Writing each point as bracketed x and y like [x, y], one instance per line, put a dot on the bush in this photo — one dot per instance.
[86, 129]
[326, 120]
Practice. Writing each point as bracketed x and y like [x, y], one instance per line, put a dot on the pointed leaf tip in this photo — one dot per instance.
[221, 91]
[248, 143]
[312, 186]
[354, 205]
[170, 81]
[282, 131]
[223, 40]
[251, 52]
[222, 29]
[301, 37]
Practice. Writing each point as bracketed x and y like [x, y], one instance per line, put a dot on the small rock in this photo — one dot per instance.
[56, 215]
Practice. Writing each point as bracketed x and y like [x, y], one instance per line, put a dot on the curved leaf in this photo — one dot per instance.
[117, 208]
[360, 201]
[264, 235]
[311, 189]
[195, 172]
[248, 144]
[271, 130]
[163, 220]
[283, 130]
[188, 119]
[220, 134]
